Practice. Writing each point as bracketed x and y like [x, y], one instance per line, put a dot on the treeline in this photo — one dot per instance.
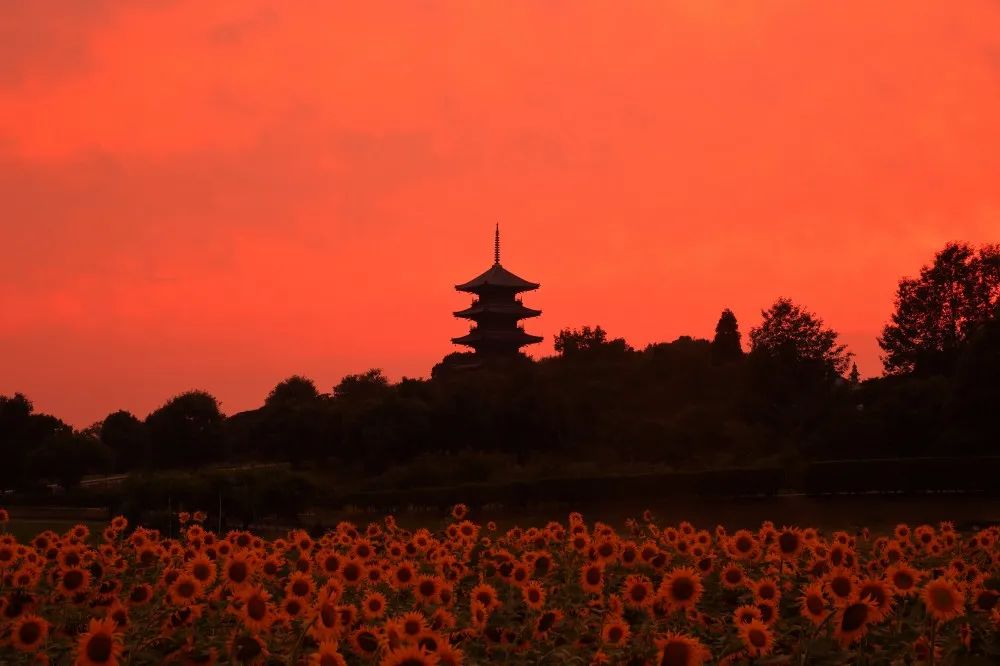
[787, 393]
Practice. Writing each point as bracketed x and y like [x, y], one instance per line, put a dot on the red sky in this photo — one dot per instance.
[220, 194]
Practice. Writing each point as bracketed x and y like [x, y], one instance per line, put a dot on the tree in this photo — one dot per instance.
[572, 342]
[854, 378]
[937, 311]
[186, 431]
[368, 385]
[726, 343]
[294, 390]
[127, 438]
[791, 334]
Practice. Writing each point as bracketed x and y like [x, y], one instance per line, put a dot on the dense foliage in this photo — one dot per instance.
[466, 593]
[686, 404]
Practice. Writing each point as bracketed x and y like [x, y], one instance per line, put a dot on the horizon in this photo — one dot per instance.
[219, 197]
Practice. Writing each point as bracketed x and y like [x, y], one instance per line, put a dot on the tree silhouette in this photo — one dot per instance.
[186, 431]
[572, 342]
[936, 312]
[367, 385]
[792, 334]
[854, 378]
[294, 390]
[128, 439]
[726, 343]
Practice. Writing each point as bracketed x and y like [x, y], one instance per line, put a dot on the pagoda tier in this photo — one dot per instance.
[497, 310]
[482, 309]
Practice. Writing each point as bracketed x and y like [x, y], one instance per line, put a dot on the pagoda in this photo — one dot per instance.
[497, 310]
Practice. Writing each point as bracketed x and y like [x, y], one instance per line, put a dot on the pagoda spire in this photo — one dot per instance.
[497, 310]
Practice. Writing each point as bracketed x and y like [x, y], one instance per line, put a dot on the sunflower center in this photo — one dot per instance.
[256, 608]
[840, 586]
[593, 576]
[854, 618]
[682, 588]
[788, 542]
[238, 572]
[546, 621]
[73, 579]
[941, 599]
[29, 633]
[99, 648]
[815, 604]
[300, 588]
[675, 653]
[367, 641]
[328, 614]
[903, 580]
[185, 589]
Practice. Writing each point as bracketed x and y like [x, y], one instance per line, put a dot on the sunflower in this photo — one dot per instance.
[904, 579]
[852, 620]
[681, 587]
[237, 571]
[255, 611]
[879, 593]
[615, 632]
[409, 656]
[546, 622]
[449, 656]
[412, 623]
[534, 595]
[185, 590]
[291, 608]
[743, 545]
[789, 543]
[675, 649]
[373, 605]
[840, 584]
[486, 594]
[247, 649]
[29, 632]
[365, 641]
[765, 591]
[943, 600]
[352, 572]
[326, 623]
[768, 612]
[732, 577]
[757, 638]
[637, 592]
[812, 604]
[746, 613]
[74, 580]
[299, 585]
[426, 589]
[141, 594]
[100, 645]
[403, 576]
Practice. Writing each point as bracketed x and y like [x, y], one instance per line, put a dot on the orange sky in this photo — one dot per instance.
[219, 194]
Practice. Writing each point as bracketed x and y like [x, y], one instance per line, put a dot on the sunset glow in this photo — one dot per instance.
[217, 195]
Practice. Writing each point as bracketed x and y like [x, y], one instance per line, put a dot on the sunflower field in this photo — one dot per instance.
[465, 593]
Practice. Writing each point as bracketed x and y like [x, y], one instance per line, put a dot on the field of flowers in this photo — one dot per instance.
[562, 593]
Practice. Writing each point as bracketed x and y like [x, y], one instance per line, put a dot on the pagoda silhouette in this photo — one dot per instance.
[496, 311]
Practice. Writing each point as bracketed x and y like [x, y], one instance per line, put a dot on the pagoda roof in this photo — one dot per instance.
[477, 336]
[515, 309]
[497, 276]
